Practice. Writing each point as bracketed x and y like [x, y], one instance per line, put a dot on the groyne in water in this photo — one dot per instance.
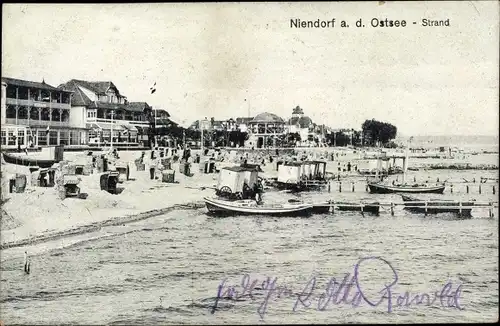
[461, 166]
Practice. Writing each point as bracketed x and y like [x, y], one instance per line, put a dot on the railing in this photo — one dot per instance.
[42, 123]
[131, 122]
[38, 104]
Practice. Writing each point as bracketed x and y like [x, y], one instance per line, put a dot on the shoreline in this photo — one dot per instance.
[95, 226]
[38, 216]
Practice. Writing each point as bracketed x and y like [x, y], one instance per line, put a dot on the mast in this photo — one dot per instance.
[405, 162]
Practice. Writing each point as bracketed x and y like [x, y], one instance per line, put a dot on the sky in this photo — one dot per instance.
[227, 60]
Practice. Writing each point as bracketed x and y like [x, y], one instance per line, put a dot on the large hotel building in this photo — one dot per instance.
[36, 114]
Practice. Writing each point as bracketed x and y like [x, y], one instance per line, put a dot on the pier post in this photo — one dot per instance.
[353, 187]
[467, 188]
[426, 208]
[491, 210]
[414, 179]
[362, 212]
[392, 209]
[474, 180]
[479, 189]
[437, 179]
[451, 188]
[340, 186]
[329, 186]
[493, 190]
[460, 208]
[333, 206]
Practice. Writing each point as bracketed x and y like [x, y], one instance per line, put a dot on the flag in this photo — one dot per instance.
[153, 88]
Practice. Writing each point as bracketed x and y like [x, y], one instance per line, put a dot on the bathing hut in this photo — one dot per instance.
[237, 182]
[301, 175]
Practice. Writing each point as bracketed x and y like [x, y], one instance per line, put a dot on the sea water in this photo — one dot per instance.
[168, 269]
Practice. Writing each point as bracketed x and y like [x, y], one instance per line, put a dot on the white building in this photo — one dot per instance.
[37, 114]
[99, 107]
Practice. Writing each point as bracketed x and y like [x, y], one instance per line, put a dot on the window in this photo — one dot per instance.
[53, 138]
[4, 137]
[12, 139]
[22, 112]
[65, 115]
[56, 115]
[10, 112]
[20, 137]
[74, 138]
[34, 114]
[11, 91]
[45, 114]
[42, 137]
[64, 137]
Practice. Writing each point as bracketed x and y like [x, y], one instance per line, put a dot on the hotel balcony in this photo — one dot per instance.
[37, 123]
[37, 104]
[120, 121]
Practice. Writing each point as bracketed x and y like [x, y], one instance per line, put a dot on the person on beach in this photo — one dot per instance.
[26, 263]
[152, 166]
[258, 189]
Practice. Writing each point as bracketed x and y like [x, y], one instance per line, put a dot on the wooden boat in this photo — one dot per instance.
[435, 206]
[27, 161]
[381, 188]
[250, 207]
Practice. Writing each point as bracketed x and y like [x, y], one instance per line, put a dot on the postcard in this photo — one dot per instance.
[249, 163]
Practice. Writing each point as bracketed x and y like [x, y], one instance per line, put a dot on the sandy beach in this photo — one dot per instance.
[38, 214]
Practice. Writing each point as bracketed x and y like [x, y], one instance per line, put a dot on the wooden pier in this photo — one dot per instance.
[426, 207]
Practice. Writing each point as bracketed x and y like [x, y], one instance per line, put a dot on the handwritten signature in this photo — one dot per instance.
[337, 293]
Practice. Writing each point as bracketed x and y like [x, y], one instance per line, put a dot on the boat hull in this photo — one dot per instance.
[222, 207]
[386, 189]
[12, 159]
[411, 203]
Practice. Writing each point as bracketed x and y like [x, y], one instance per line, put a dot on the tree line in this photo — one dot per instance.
[373, 133]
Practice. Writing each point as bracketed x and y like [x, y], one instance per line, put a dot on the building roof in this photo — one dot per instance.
[267, 117]
[243, 120]
[98, 87]
[303, 121]
[31, 84]
[137, 106]
[162, 111]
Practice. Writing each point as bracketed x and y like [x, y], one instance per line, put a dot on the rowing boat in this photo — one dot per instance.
[250, 207]
[380, 188]
[27, 161]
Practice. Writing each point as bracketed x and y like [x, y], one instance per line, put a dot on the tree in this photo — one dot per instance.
[377, 132]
